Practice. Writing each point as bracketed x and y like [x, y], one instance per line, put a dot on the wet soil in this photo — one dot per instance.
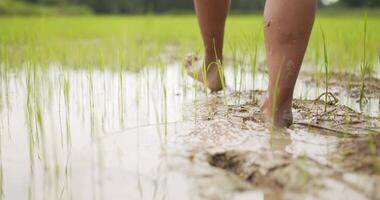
[141, 138]
[329, 148]
[349, 83]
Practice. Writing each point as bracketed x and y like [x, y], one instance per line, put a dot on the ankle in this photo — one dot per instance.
[209, 58]
[280, 115]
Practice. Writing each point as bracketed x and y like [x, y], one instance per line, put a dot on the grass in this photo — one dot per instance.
[253, 59]
[29, 113]
[91, 44]
[364, 65]
[11, 7]
[131, 43]
[66, 92]
[77, 42]
[329, 98]
[1, 170]
[326, 67]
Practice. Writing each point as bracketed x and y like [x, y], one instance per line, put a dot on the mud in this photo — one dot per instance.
[350, 84]
[148, 135]
[311, 159]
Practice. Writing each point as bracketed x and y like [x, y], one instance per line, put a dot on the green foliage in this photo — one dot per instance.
[361, 3]
[104, 41]
[145, 6]
[8, 7]
[139, 6]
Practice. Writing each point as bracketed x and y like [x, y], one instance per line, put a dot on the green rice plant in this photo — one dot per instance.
[60, 112]
[29, 116]
[218, 63]
[137, 98]
[205, 69]
[158, 121]
[3, 79]
[364, 65]
[37, 114]
[326, 64]
[253, 60]
[327, 94]
[165, 99]
[121, 91]
[31, 187]
[349, 81]
[103, 68]
[196, 77]
[235, 65]
[61, 45]
[4, 85]
[242, 75]
[39, 127]
[147, 89]
[57, 45]
[221, 75]
[196, 88]
[91, 104]
[2, 194]
[157, 112]
[316, 60]
[66, 93]
[276, 93]
[182, 71]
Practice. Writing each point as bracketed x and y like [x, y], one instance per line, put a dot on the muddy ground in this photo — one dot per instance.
[349, 83]
[141, 138]
[332, 154]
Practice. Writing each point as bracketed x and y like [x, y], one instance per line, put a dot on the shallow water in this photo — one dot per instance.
[81, 134]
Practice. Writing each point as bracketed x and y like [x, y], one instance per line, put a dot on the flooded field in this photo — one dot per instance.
[102, 109]
[155, 134]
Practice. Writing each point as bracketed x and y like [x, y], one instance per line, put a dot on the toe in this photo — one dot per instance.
[189, 64]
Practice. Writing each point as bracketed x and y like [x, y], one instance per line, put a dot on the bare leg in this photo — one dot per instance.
[288, 25]
[211, 16]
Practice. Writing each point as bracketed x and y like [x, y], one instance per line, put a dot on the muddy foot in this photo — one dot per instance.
[282, 118]
[213, 79]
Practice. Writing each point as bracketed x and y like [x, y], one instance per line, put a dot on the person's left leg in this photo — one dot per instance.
[288, 24]
[211, 16]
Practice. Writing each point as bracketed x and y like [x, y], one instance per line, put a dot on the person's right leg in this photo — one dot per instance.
[287, 28]
[211, 16]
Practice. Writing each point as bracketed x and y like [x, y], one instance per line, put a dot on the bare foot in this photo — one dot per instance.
[283, 117]
[213, 79]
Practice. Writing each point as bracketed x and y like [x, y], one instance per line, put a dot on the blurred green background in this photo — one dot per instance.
[71, 7]
[132, 34]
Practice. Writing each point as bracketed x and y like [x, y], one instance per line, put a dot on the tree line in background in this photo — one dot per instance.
[163, 6]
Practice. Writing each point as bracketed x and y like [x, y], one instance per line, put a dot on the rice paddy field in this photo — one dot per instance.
[99, 107]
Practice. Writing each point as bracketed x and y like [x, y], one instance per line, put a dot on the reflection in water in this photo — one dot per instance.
[315, 146]
[64, 110]
[102, 134]
[1, 171]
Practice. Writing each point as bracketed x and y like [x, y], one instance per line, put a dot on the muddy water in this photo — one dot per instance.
[79, 134]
